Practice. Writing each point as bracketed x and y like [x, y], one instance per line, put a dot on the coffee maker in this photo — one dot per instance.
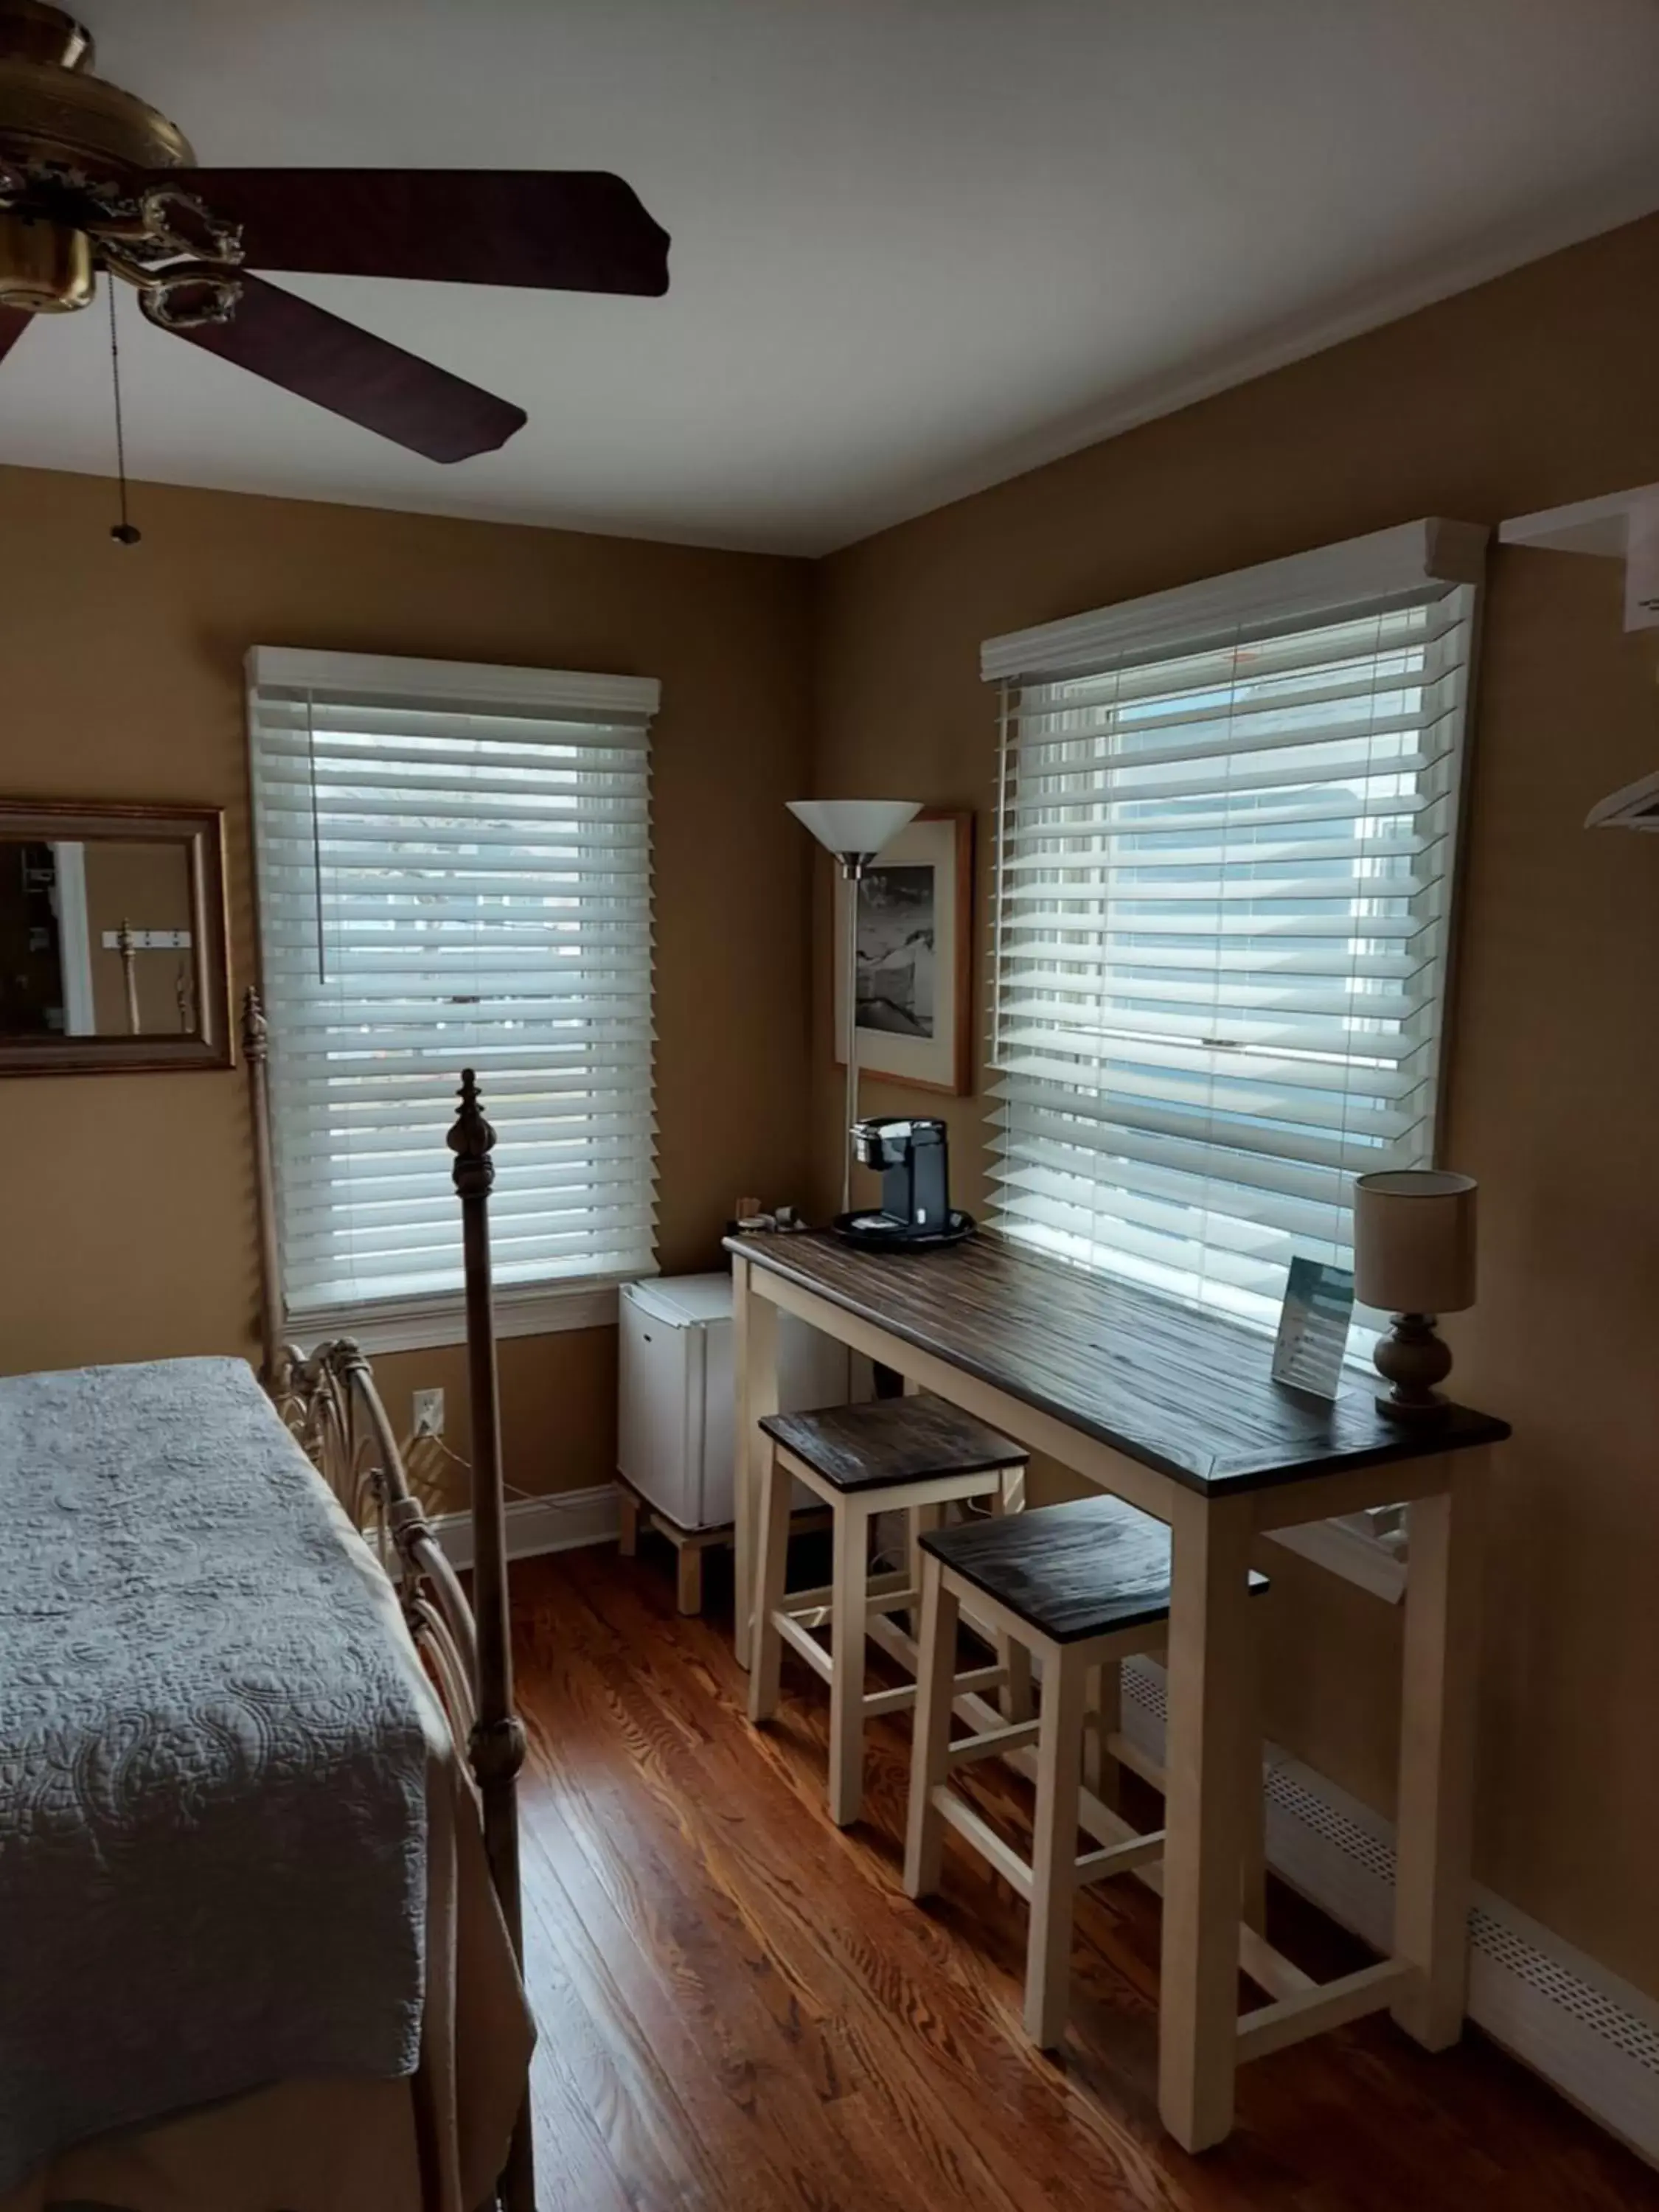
[912, 1158]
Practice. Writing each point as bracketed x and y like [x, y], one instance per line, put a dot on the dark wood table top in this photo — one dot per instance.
[1186, 1392]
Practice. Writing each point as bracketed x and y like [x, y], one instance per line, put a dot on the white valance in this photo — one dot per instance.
[1390, 568]
[460, 685]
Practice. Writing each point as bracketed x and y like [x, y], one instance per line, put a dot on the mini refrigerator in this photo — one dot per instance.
[676, 1417]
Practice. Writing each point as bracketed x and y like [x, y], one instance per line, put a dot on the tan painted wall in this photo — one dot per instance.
[1531, 390]
[126, 1210]
[558, 1411]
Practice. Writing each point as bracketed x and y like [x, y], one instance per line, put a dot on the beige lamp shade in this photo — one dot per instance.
[1413, 1240]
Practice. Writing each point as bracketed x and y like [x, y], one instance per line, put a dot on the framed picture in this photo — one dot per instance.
[914, 958]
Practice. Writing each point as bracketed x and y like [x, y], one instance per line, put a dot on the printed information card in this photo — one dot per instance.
[1312, 1327]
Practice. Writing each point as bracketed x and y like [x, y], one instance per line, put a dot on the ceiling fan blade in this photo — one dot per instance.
[354, 374]
[12, 324]
[572, 230]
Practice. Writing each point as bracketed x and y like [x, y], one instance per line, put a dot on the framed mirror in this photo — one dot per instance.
[112, 939]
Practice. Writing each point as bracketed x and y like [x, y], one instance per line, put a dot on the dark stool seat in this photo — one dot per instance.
[891, 1442]
[1071, 1571]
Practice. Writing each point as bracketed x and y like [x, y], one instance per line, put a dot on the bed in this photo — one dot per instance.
[260, 1898]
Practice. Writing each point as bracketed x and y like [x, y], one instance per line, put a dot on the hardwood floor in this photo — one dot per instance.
[741, 2012]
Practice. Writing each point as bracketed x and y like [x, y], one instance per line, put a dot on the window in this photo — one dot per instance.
[1226, 835]
[453, 870]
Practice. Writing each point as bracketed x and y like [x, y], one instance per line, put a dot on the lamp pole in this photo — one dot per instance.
[853, 865]
[855, 831]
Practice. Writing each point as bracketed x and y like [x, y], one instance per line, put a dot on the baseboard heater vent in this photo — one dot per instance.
[1593, 2035]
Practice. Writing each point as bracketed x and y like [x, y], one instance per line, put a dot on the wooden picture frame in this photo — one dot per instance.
[191, 1030]
[917, 898]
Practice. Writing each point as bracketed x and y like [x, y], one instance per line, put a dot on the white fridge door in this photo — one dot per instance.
[812, 1371]
[676, 1420]
[658, 1449]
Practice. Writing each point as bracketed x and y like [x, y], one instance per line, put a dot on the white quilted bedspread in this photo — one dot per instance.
[212, 1762]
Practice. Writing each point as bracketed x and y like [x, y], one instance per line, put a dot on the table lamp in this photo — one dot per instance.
[855, 831]
[1413, 1239]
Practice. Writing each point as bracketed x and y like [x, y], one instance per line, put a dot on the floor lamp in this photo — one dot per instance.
[855, 831]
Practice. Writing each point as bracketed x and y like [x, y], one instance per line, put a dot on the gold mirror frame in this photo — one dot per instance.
[200, 830]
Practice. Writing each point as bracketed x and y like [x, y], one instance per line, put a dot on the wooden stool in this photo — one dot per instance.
[1084, 1586]
[917, 1454]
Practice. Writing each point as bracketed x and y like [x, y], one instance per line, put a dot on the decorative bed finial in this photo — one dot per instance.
[255, 1035]
[471, 1139]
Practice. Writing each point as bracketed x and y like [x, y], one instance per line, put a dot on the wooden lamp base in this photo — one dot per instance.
[1413, 1359]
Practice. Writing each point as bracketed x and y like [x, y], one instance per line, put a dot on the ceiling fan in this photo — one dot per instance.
[92, 178]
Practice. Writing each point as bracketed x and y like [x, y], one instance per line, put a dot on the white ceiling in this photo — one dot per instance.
[919, 244]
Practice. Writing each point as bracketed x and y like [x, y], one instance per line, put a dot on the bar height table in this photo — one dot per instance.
[1176, 1412]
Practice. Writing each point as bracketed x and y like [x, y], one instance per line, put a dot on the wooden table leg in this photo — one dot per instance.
[755, 1384]
[1253, 1819]
[1437, 1753]
[1207, 1746]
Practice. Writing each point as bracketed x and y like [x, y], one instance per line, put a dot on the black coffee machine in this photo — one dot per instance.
[912, 1158]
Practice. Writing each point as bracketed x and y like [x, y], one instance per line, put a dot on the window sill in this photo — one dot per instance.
[424, 1324]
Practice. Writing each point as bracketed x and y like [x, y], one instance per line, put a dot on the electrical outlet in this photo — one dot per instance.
[428, 1413]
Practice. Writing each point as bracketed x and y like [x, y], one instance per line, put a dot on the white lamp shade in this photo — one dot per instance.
[1413, 1239]
[847, 826]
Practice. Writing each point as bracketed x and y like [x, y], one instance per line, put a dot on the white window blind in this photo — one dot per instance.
[453, 870]
[1226, 838]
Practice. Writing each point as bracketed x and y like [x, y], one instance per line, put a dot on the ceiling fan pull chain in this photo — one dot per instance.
[124, 532]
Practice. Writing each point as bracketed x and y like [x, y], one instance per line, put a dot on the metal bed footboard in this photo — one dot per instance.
[328, 1399]
[330, 1403]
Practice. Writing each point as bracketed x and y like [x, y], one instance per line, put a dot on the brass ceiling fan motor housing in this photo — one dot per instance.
[45, 268]
[65, 136]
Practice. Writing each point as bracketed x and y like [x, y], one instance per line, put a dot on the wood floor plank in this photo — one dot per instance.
[860, 1947]
[741, 2012]
[761, 2028]
[587, 2104]
[669, 2052]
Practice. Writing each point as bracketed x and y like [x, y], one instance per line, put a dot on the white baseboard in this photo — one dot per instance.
[1592, 2034]
[561, 1523]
